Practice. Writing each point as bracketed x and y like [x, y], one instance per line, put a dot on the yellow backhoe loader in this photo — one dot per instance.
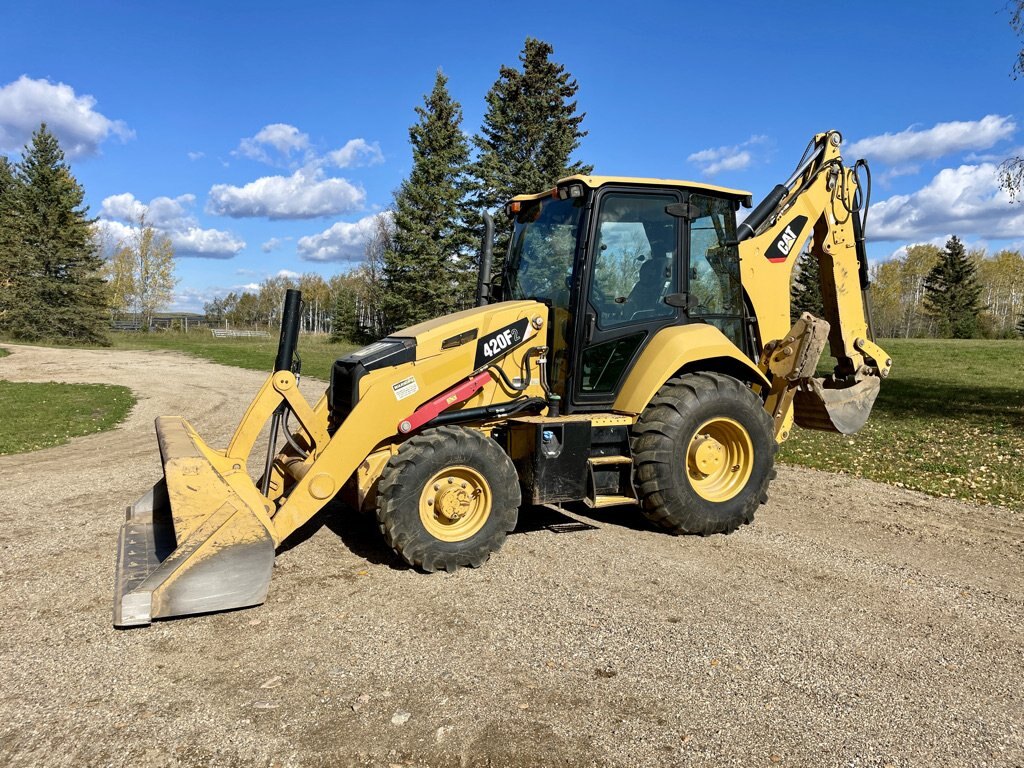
[637, 350]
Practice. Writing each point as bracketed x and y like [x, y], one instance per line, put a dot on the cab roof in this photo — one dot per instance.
[599, 181]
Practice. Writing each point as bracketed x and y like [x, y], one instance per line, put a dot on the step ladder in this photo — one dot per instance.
[610, 481]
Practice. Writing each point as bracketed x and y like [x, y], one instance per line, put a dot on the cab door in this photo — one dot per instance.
[635, 261]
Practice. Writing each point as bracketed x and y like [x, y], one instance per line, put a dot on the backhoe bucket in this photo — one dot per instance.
[192, 544]
[832, 409]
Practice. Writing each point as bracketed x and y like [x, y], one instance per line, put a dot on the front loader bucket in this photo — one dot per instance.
[192, 544]
[833, 409]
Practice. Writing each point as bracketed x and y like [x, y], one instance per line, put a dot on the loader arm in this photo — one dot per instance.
[821, 201]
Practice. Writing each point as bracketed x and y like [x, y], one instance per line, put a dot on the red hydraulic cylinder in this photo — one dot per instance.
[432, 408]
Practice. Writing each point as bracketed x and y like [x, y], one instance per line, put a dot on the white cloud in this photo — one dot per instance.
[119, 215]
[287, 273]
[73, 119]
[208, 243]
[965, 200]
[283, 138]
[273, 244]
[730, 158]
[306, 194]
[356, 152]
[123, 207]
[930, 143]
[344, 241]
[193, 156]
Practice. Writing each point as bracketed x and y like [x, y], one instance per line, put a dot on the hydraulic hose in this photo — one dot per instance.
[767, 207]
[485, 412]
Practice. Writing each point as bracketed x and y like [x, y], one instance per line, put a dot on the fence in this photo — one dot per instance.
[229, 333]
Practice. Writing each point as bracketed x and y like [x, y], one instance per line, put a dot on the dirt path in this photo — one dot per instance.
[853, 624]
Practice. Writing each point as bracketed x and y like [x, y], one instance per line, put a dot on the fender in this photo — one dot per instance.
[675, 348]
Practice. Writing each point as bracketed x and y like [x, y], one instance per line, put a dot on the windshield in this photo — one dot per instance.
[543, 246]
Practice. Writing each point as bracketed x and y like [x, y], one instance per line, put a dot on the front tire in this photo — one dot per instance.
[704, 451]
[448, 499]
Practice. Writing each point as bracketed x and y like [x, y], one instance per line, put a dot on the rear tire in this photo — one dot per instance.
[704, 452]
[448, 499]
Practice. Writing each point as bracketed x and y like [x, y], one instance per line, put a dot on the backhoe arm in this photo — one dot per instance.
[821, 200]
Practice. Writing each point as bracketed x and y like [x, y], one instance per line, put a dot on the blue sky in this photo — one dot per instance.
[262, 136]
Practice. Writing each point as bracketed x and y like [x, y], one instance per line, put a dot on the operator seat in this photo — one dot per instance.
[645, 300]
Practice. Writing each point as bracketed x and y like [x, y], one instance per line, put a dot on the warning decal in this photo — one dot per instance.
[405, 387]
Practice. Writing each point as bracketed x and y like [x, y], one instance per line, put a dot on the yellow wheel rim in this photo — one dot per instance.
[455, 503]
[719, 459]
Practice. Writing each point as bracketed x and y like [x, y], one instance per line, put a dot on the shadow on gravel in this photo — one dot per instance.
[533, 519]
[361, 535]
[357, 532]
[577, 516]
[627, 516]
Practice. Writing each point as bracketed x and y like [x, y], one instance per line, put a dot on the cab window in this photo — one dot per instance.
[713, 279]
[635, 262]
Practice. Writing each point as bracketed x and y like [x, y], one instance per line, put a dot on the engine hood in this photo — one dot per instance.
[489, 329]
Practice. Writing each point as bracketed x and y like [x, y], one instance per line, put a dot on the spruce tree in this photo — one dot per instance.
[58, 291]
[805, 293]
[529, 133]
[8, 242]
[952, 293]
[429, 267]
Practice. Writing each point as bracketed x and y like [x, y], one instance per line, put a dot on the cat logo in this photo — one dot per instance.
[779, 250]
[786, 241]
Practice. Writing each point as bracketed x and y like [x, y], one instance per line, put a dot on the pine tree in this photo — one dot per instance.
[529, 133]
[57, 288]
[8, 241]
[805, 293]
[952, 292]
[430, 267]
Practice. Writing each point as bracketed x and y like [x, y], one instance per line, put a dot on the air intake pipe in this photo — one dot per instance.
[483, 283]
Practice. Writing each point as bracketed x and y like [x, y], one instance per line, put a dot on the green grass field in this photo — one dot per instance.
[949, 421]
[42, 415]
[258, 354]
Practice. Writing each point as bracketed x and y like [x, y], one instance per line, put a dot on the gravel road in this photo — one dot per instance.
[854, 624]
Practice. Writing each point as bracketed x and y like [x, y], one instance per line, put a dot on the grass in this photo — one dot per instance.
[949, 421]
[258, 354]
[43, 415]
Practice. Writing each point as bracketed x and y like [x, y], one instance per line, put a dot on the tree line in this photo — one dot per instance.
[950, 292]
[928, 291]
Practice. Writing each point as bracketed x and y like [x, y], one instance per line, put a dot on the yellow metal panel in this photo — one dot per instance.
[599, 181]
[430, 334]
[669, 351]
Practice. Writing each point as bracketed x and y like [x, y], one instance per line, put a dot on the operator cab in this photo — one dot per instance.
[617, 259]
